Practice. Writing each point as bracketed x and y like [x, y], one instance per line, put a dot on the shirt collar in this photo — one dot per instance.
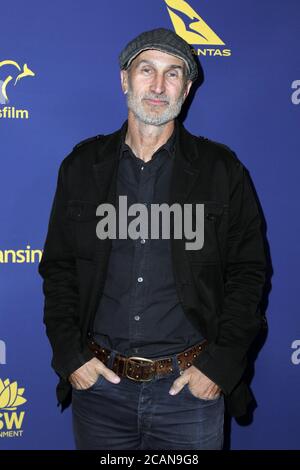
[169, 145]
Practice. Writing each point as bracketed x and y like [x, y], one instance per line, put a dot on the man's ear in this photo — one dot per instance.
[187, 88]
[124, 80]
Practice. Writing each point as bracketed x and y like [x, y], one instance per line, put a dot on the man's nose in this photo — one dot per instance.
[158, 84]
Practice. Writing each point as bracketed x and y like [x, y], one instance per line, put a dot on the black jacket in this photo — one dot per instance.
[220, 286]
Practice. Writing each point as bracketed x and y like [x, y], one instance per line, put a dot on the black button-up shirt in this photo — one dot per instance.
[139, 311]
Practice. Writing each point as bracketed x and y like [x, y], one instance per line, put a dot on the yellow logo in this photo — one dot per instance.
[199, 32]
[189, 25]
[25, 72]
[10, 395]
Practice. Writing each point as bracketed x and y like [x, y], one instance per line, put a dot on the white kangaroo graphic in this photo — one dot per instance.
[3, 84]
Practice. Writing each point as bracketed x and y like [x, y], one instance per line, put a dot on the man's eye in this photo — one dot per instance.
[173, 74]
[146, 70]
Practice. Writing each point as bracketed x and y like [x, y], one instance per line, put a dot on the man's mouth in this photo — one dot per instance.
[156, 102]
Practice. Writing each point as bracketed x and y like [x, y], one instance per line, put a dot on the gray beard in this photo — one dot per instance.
[171, 112]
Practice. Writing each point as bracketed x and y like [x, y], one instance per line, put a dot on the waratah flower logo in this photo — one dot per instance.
[10, 395]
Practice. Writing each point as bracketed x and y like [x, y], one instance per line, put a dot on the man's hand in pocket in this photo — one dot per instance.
[88, 374]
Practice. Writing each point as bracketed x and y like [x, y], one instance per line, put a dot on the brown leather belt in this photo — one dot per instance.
[141, 369]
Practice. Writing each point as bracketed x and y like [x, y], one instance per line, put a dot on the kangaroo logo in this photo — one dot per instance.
[26, 72]
[197, 31]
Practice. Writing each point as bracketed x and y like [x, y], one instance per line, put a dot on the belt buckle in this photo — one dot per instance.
[138, 358]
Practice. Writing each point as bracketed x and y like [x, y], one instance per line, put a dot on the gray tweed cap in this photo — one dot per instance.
[164, 40]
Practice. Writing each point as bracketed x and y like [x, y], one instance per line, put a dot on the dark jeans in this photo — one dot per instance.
[143, 415]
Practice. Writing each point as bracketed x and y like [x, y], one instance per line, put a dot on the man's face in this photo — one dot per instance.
[156, 86]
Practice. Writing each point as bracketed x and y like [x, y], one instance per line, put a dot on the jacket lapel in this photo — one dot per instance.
[106, 167]
[184, 173]
[105, 172]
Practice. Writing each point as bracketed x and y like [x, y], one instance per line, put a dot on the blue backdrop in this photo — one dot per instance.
[59, 84]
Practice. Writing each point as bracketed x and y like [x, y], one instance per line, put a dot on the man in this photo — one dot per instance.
[150, 339]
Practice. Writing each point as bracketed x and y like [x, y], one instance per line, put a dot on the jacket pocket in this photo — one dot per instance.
[81, 211]
[213, 227]
[82, 215]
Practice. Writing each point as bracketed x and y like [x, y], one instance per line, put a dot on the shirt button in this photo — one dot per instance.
[137, 317]
[143, 240]
[142, 167]
[140, 279]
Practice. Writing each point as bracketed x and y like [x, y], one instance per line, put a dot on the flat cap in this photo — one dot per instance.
[164, 40]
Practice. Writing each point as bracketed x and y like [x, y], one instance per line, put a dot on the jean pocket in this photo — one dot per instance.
[96, 385]
[205, 400]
